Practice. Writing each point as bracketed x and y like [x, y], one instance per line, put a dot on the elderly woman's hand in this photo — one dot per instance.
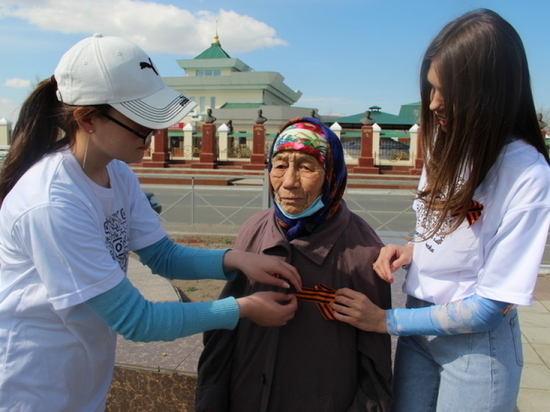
[263, 269]
[390, 259]
[357, 309]
[268, 308]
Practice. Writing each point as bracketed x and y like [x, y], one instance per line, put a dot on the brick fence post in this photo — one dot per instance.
[160, 155]
[366, 160]
[208, 156]
[257, 158]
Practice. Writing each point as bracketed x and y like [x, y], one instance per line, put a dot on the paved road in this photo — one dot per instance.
[387, 211]
[384, 209]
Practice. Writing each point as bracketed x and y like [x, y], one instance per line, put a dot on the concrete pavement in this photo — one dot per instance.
[534, 395]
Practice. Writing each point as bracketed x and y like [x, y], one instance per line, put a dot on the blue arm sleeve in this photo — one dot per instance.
[128, 313]
[473, 314]
[172, 261]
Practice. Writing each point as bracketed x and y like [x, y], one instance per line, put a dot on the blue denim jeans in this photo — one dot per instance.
[468, 372]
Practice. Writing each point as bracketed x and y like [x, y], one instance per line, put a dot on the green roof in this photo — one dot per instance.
[381, 118]
[215, 51]
[411, 111]
[241, 105]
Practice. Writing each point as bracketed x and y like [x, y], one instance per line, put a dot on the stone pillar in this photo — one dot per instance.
[160, 154]
[415, 152]
[257, 158]
[208, 157]
[5, 132]
[223, 137]
[188, 130]
[366, 161]
[376, 142]
[337, 129]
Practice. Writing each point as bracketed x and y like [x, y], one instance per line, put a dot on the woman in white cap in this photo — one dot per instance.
[71, 210]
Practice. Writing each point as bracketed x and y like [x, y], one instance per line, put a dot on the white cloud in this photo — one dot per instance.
[155, 27]
[17, 83]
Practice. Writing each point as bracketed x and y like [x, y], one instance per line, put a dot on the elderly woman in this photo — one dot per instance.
[313, 363]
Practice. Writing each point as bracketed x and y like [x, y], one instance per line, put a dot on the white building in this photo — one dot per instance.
[233, 91]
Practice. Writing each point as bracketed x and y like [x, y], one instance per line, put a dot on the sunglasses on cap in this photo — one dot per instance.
[146, 137]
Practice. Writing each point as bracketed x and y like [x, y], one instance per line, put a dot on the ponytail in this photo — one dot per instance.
[42, 128]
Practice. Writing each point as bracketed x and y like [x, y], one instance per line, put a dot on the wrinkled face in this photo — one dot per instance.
[297, 179]
[436, 97]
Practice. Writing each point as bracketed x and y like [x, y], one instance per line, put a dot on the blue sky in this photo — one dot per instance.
[343, 55]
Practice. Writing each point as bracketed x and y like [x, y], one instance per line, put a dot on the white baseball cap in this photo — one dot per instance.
[114, 71]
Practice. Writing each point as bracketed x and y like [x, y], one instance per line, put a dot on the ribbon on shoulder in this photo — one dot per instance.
[473, 214]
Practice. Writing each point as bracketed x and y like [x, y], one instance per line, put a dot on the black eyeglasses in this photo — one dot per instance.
[146, 137]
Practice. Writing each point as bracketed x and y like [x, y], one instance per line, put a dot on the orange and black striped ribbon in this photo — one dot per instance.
[321, 295]
[474, 212]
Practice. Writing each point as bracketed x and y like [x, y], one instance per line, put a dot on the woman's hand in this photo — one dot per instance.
[356, 309]
[391, 258]
[263, 269]
[268, 308]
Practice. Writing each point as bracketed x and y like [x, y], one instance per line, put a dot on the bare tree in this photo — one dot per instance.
[545, 111]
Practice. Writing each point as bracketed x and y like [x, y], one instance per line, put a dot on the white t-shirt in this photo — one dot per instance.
[498, 257]
[64, 240]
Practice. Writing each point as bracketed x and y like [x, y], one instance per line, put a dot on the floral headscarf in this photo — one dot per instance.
[312, 137]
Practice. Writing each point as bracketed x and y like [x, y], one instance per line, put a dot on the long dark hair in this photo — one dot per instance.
[45, 125]
[482, 68]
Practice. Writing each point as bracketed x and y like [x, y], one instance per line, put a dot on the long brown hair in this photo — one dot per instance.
[45, 125]
[484, 75]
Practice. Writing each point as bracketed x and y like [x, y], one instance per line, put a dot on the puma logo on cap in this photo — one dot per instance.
[145, 65]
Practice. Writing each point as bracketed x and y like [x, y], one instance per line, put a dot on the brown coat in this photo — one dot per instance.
[310, 364]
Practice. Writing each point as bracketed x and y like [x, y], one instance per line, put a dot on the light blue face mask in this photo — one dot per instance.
[315, 206]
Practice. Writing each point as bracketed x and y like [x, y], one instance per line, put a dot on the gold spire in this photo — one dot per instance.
[216, 37]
